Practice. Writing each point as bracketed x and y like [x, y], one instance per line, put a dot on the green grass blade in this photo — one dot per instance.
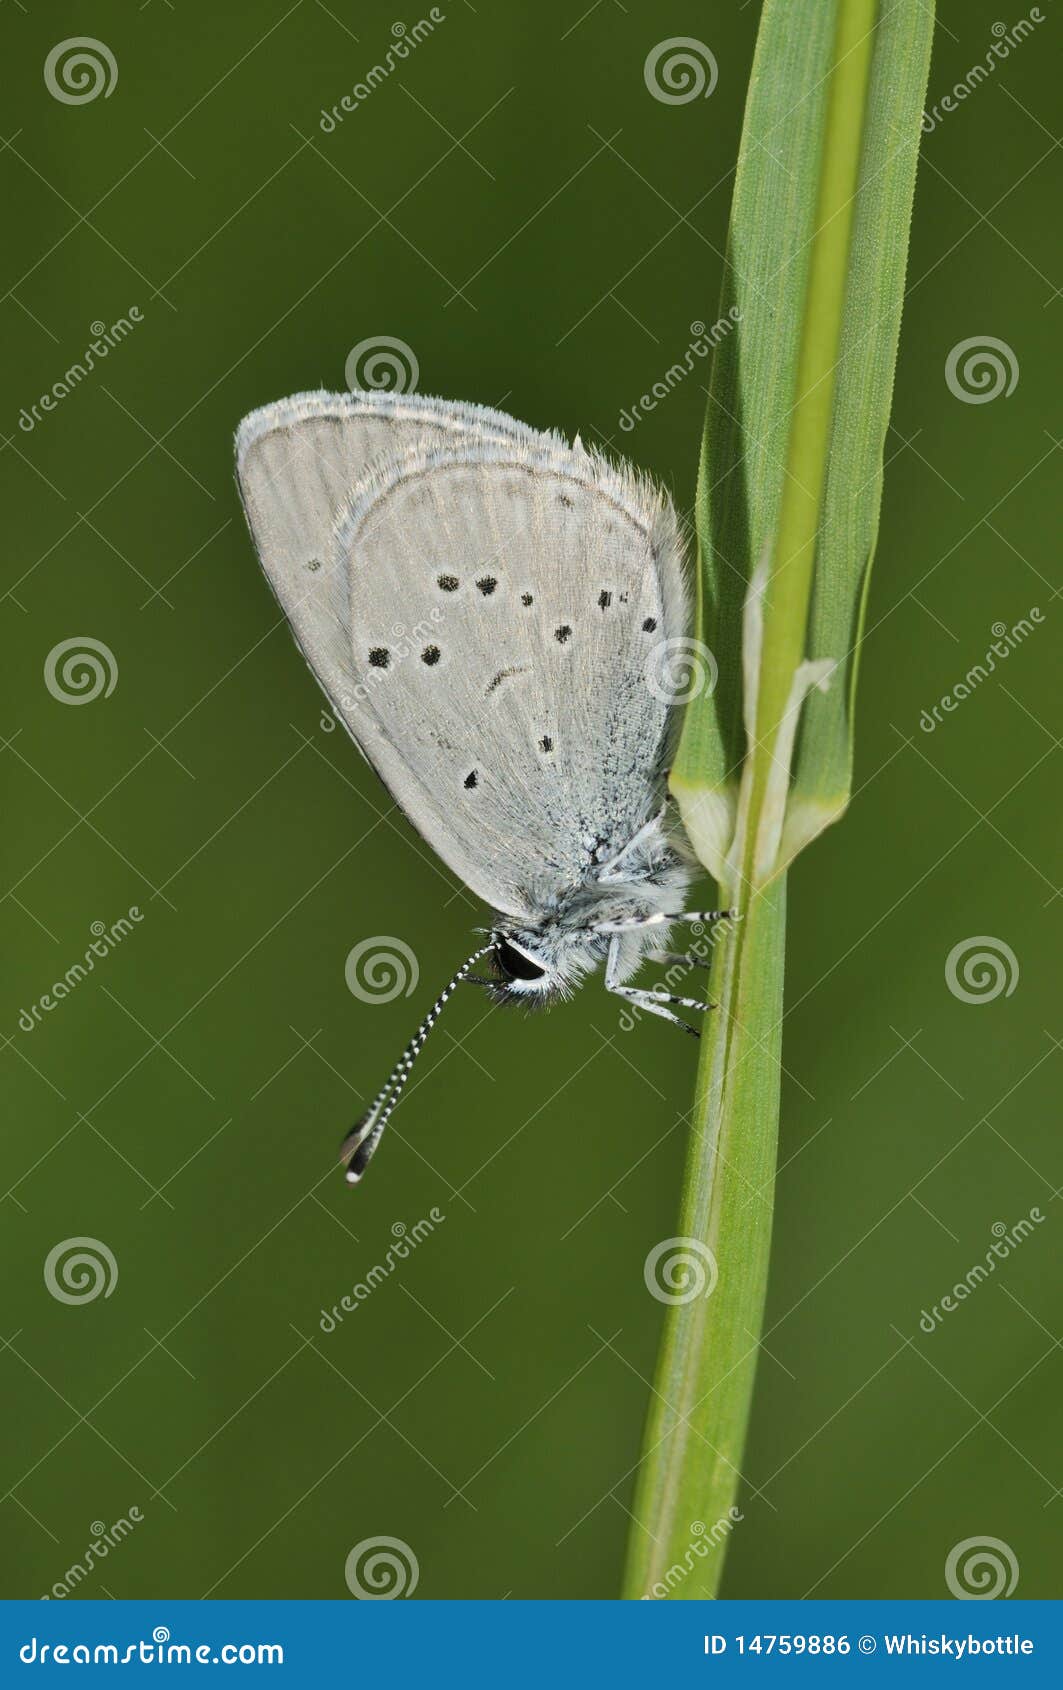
[788, 505]
[775, 244]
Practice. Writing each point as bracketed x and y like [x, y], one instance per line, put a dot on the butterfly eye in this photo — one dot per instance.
[514, 965]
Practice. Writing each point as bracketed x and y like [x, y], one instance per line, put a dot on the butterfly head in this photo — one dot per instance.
[534, 967]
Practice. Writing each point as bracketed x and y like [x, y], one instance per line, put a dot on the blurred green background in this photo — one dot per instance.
[515, 206]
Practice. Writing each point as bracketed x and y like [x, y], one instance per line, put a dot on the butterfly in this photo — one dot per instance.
[491, 613]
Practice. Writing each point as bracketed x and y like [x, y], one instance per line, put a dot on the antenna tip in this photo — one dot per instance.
[356, 1150]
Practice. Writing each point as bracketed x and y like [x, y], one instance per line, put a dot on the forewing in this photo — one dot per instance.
[297, 463]
[507, 599]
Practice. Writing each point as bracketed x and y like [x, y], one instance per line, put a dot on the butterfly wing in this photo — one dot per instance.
[508, 600]
[297, 462]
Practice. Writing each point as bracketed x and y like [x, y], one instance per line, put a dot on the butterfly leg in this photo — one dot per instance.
[686, 959]
[638, 923]
[708, 917]
[613, 870]
[652, 1000]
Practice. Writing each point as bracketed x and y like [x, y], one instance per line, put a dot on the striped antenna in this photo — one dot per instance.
[364, 1136]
